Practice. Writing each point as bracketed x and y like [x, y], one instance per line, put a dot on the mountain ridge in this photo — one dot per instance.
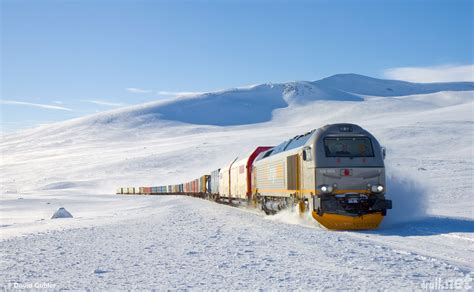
[365, 85]
[256, 103]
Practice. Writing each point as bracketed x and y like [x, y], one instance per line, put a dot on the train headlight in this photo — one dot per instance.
[326, 189]
[377, 188]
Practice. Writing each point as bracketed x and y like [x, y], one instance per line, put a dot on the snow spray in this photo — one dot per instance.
[408, 195]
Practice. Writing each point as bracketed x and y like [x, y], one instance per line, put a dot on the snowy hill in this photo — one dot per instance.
[77, 164]
[364, 85]
[255, 104]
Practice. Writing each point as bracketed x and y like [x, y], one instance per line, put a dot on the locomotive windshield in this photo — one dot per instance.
[348, 147]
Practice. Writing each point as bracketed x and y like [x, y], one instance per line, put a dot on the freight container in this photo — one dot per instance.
[196, 186]
[208, 184]
[203, 183]
[235, 179]
[189, 188]
[224, 180]
[214, 182]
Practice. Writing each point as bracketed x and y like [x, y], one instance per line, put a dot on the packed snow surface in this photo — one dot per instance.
[143, 242]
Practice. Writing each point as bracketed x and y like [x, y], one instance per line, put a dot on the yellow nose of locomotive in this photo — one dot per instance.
[343, 222]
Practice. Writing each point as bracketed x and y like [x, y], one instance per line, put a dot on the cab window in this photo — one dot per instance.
[348, 147]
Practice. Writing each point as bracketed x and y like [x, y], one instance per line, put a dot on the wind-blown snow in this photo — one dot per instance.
[411, 196]
[127, 242]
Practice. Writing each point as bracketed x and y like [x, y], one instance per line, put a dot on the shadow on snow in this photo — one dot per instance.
[430, 225]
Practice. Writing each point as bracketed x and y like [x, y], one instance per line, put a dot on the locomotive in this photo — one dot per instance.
[335, 173]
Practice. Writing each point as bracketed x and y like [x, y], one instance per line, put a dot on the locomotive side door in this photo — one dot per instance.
[308, 174]
[293, 168]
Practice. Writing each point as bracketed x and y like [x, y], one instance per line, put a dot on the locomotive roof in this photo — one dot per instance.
[301, 140]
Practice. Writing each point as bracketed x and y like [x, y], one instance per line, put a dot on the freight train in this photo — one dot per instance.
[335, 173]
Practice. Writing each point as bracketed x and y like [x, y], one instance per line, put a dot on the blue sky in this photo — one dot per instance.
[65, 59]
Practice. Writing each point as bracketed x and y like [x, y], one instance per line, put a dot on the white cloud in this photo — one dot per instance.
[138, 90]
[103, 102]
[445, 73]
[38, 105]
[163, 93]
[179, 93]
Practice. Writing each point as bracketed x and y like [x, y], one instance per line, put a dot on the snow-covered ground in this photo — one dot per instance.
[180, 242]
